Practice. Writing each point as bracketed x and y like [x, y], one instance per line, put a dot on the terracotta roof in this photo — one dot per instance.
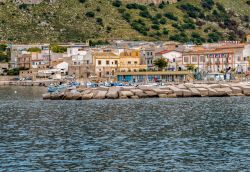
[163, 52]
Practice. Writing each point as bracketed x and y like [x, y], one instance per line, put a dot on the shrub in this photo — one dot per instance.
[90, 14]
[165, 31]
[99, 21]
[171, 16]
[145, 14]
[117, 3]
[82, 1]
[207, 4]
[155, 27]
[214, 37]
[163, 21]
[191, 10]
[126, 16]
[140, 26]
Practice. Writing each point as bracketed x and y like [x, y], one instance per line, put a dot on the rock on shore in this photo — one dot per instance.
[170, 91]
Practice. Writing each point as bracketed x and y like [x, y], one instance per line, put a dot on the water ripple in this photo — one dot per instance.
[191, 134]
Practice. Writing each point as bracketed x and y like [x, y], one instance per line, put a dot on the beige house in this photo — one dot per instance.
[106, 64]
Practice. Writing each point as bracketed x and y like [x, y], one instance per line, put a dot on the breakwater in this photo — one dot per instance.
[145, 91]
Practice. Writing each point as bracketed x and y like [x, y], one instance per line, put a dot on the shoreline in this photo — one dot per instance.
[148, 91]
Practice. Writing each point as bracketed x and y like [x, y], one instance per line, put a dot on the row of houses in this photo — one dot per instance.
[107, 62]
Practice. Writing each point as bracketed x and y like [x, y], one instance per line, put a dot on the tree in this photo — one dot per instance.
[161, 63]
[58, 49]
[3, 47]
[34, 49]
[191, 67]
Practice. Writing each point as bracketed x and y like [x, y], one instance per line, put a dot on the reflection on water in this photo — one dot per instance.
[193, 134]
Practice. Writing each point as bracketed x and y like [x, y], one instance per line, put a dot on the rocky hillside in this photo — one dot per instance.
[195, 21]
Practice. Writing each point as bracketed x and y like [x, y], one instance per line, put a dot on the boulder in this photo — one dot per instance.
[100, 94]
[141, 94]
[189, 85]
[81, 88]
[162, 91]
[221, 91]
[203, 91]
[127, 88]
[87, 96]
[245, 89]
[151, 93]
[224, 86]
[136, 91]
[125, 93]
[134, 97]
[162, 95]
[172, 95]
[227, 90]
[212, 92]
[146, 87]
[72, 96]
[113, 92]
[186, 93]
[195, 92]
[46, 96]
[56, 96]
[181, 86]
[87, 91]
[236, 90]
[177, 91]
[214, 86]
[123, 97]
[102, 88]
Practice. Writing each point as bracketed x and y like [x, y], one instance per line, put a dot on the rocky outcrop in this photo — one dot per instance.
[170, 91]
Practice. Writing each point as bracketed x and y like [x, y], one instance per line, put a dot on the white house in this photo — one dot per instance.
[173, 57]
[63, 67]
[79, 56]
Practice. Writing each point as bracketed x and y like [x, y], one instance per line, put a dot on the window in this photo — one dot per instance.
[135, 70]
[194, 59]
[174, 60]
[116, 62]
[99, 62]
[239, 59]
[135, 62]
[74, 63]
[186, 59]
[129, 62]
[107, 73]
[202, 58]
[107, 62]
[87, 61]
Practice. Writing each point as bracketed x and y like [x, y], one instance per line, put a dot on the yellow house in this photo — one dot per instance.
[130, 61]
[106, 64]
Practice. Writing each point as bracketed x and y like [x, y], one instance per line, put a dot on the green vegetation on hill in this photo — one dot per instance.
[197, 21]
